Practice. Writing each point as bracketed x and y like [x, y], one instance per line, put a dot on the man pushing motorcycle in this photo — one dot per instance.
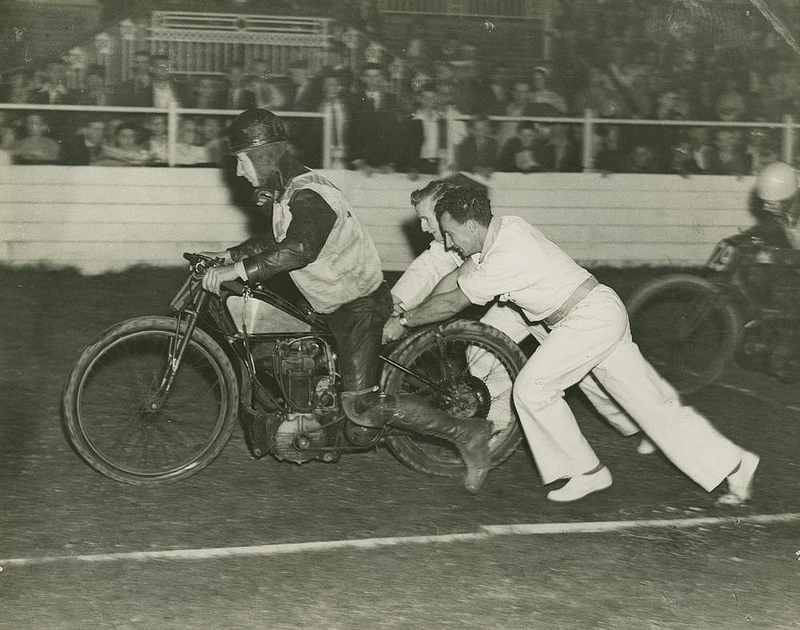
[587, 332]
[318, 239]
[422, 277]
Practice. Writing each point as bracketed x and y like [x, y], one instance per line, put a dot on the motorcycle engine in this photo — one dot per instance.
[305, 372]
[304, 369]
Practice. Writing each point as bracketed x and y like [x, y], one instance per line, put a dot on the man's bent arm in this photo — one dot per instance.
[437, 307]
[422, 275]
[450, 281]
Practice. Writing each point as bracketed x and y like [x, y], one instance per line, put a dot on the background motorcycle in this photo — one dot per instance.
[746, 304]
[156, 398]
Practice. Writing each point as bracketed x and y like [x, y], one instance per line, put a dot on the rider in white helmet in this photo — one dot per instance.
[777, 187]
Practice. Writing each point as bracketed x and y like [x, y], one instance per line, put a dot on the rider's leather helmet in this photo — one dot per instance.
[255, 128]
[776, 182]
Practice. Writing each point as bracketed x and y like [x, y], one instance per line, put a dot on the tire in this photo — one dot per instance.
[457, 341]
[107, 398]
[686, 328]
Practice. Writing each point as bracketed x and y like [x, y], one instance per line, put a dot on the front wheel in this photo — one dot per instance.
[477, 365]
[120, 422]
[686, 328]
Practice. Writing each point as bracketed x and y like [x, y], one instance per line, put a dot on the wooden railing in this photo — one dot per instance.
[455, 123]
[526, 9]
[207, 43]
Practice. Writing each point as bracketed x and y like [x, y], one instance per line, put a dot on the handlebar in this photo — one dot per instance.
[199, 263]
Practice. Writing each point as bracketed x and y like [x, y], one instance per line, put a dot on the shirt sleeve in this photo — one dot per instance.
[501, 271]
[423, 274]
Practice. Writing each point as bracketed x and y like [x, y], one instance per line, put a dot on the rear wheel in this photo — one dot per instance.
[477, 365]
[685, 328]
[117, 419]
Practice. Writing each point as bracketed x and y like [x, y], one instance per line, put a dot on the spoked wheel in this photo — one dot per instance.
[685, 328]
[476, 364]
[122, 423]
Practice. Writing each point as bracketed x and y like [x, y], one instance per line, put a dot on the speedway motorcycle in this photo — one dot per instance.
[745, 305]
[156, 398]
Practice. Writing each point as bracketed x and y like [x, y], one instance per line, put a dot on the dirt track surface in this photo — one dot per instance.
[722, 576]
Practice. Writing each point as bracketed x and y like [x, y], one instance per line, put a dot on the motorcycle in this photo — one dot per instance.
[744, 306]
[156, 398]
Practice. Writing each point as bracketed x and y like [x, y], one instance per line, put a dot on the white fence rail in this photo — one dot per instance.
[454, 126]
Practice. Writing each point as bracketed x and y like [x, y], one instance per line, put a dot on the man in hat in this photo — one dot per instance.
[318, 239]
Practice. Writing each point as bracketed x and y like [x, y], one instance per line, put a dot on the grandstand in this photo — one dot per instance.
[632, 69]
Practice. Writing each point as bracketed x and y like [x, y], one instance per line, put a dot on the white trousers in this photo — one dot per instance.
[595, 338]
[509, 320]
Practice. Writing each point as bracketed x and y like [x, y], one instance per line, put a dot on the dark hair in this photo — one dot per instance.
[436, 189]
[463, 204]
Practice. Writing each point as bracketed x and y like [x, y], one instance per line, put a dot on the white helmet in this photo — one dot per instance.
[776, 182]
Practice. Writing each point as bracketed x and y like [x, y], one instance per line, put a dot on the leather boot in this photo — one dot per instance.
[412, 413]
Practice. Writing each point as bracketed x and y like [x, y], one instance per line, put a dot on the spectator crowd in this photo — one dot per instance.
[394, 112]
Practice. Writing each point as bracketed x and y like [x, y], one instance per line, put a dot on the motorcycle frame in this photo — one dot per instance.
[222, 328]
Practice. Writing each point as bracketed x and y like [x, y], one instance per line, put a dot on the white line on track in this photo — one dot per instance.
[754, 394]
[484, 532]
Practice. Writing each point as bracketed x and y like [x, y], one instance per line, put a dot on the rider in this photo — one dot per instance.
[318, 239]
[777, 187]
[435, 263]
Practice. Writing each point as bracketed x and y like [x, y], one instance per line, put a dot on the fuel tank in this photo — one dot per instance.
[258, 317]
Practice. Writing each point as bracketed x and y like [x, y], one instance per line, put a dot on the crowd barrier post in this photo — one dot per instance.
[587, 155]
[172, 132]
[327, 137]
[450, 134]
[787, 146]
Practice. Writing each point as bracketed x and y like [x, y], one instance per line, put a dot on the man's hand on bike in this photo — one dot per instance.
[215, 276]
[393, 329]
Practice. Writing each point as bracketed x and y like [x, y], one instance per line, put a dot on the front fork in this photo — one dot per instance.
[178, 348]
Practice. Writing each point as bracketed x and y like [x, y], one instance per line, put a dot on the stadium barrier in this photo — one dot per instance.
[454, 122]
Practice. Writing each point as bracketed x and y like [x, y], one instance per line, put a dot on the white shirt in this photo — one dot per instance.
[423, 274]
[430, 135]
[163, 95]
[518, 264]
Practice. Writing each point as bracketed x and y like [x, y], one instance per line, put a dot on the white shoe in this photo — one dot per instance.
[578, 487]
[646, 447]
[740, 482]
